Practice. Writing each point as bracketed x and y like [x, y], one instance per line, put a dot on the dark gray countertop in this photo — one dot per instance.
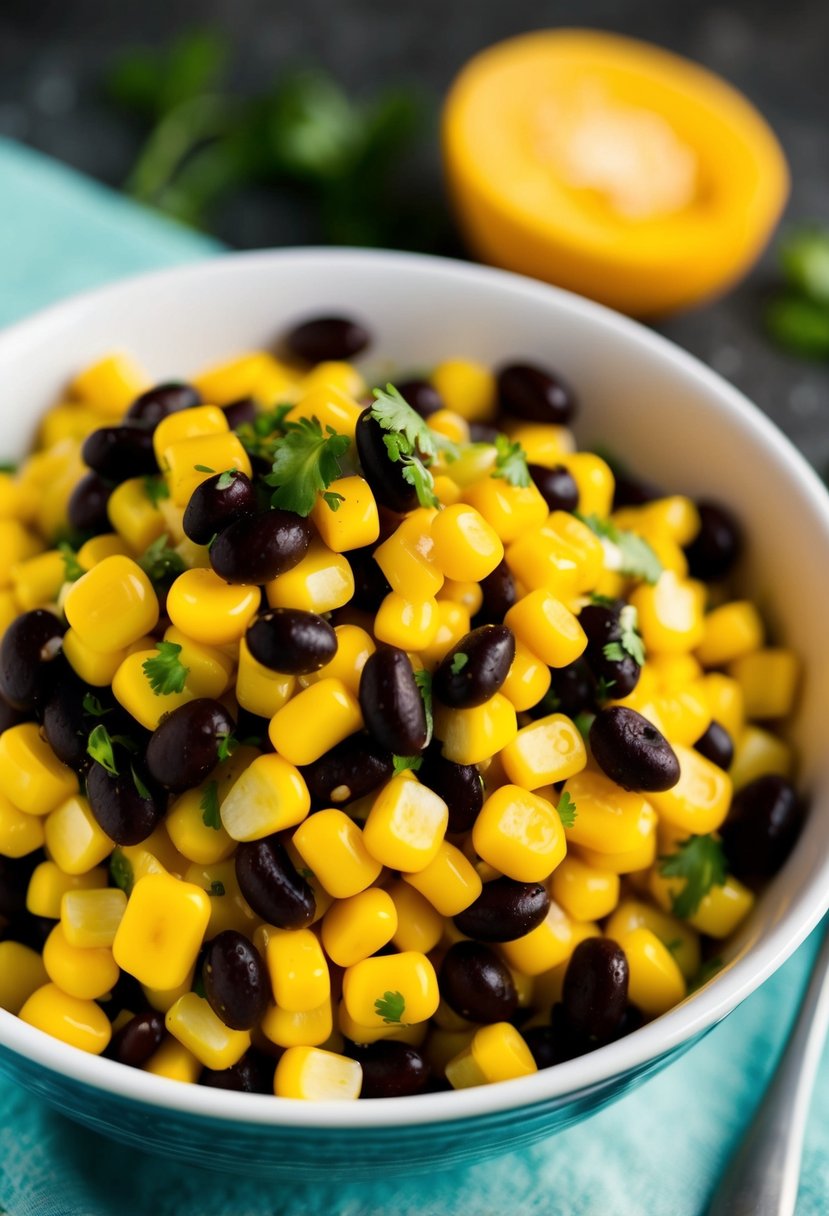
[53, 54]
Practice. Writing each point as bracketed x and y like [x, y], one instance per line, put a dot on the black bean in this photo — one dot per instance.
[544, 1045]
[632, 751]
[136, 1041]
[421, 396]
[291, 641]
[15, 873]
[631, 491]
[569, 1042]
[632, 1020]
[253, 1074]
[505, 910]
[459, 785]
[9, 716]
[762, 827]
[384, 475]
[240, 412]
[148, 409]
[322, 338]
[256, 548]
[212, 508]
[483, 432]
[127, 816]
[390, 1069]
[119, 452]
[716, 745]
[183, 749]
[86, 510]
[557, 486]
[536, 394]
[715, 549]
[31, 931]
[595, 988]
[602, 625]
[572, 691]
[125, 994]
[353, 768]
[475, 668]
[271, 885]
[392, 705]
[29, 647]
[370, 583]
[498, 590]
[477, 984]
[66, 723]
[235, 980]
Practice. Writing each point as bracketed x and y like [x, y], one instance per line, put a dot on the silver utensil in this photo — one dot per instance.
[763, 1176]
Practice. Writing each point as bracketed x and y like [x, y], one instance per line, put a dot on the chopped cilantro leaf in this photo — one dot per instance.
[227, 479]
[566, 810]
[203, 468]
[226, 745]
[141, 788]
[72, 568]
[625, 552]
[459, 661]
[93, 706]
[165, 671]
[631, 640]
[216, 887]
[155, 488]
[603, 688]
[409, 441]
[305, 462]
[333, 500]
[401, 763]
[423, 679]
[700, 860]
[583, 722]
[510, 462]
[606, 601]
[99, 747]
[120, 869]
[261, 436]
[159, 562]
[8, 466]
[390, 1007]
[209, 805]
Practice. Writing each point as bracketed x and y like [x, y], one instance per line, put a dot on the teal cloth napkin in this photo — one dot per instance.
[657, 1152]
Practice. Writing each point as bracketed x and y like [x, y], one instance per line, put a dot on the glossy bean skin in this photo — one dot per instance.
[272, 886]
[183, 749]
[595, 988]
[66, 723]
[714, 551]
[320, 339]
[29, 647]
[498, 590]
[258, 547]
[253, 1074]
[392, 706]
[475, 668]
[477, 984]
[240, 412]
[235, 980]
[505, 910]
[762, 827]
[631, 751]
[370, 583]
[390, 1069]
[557, 486]
[384, 475]
[292, 641]
[459, 785]
[119, 452]
[350, 770]
[716, 745]
[136, 1041]
[124, 814]
[535, 394]
[161, 400]
[421, 396]
[210, 509]
[86, 510]
[601, 624]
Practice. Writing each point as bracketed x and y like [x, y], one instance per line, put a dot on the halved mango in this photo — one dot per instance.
[610, 167]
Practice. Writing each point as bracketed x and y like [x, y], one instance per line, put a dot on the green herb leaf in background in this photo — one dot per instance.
[305, 462]
[700, 860]
[511, 462]
[165, 672]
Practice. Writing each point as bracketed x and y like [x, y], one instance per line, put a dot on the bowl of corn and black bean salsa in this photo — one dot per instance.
[365, 735]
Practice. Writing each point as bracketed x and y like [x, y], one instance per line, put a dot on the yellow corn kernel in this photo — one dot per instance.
[17, 544]
[562, 556]
[192, 1021]
[419, 924]
[509, 510]
[112, 605]
[405, 825]
[700, 800]
[135, 518]
[595, 482]
[674, 517]
[624, 861]
[173, 516]
[549, 750]
[468, 595]
[253, 374]
[89, 919]
[466, 548]
[729, 632]
[756, 752]
[184, 462]
[683, 715]
[110, 386]
[357, 927]
[321, 582]
[133, 691]
[409, 624]
[175, 1062]
[21, 973]
[332, 845]
[19, 833]
[80, 972]
[443, 1045]
[92, 551]
[545, 946]
[355, 523]
[495, 1053]
[471, 736]
[675, 935]
[543, 443]
[228, 907]
[81, 1023]
[450, 882]
[162, 999]
[195, 839]
[472, 465]
[407, 557]
[258, 689]
[38, 580]
[161, 931]
[608, 818]
[268, 796]
[92, 666]
[446, 490]
[210, 669]
[316, 1076]
[298, 970]
[656, 983]
[528, 679]
[330, 403]
[208, 609]
[584, 892]
[725, 701]
[31, 776]
[48, 885]
[675, 672]
[453, 625]
[354, 646]
[392, 988]
[467, 388]
[670, 613]
[768, 679]
[18, 497]
[449, 424]
[520, 834]
[188, 424]
[314, 721]
[414, 1034]
[299, 1028]
[547, 628]
[720, 911]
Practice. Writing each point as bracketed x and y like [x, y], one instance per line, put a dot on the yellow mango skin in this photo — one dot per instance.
[498, 131]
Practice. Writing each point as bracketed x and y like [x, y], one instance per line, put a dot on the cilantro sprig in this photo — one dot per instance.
[305, 462]
[226, 744]
[72, 568]
[630, 642]
[700, 860]
[423, 679]
[390, 1007]
[408, 440]
[566, 810]
[165, 671]
[121, 872]
[161, 563]
[459, 661]
[400, 764]
[260, 437]
[510, 462]
[625, 552]
[209, 806]
[93, 706]
[99, 746]
[155, 488]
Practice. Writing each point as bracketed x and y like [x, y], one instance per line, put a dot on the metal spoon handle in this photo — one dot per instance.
[762, 1177]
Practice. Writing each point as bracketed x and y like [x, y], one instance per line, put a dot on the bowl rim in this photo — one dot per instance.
[698, 1013]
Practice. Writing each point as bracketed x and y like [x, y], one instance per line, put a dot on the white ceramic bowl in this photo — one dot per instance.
[666, 415]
